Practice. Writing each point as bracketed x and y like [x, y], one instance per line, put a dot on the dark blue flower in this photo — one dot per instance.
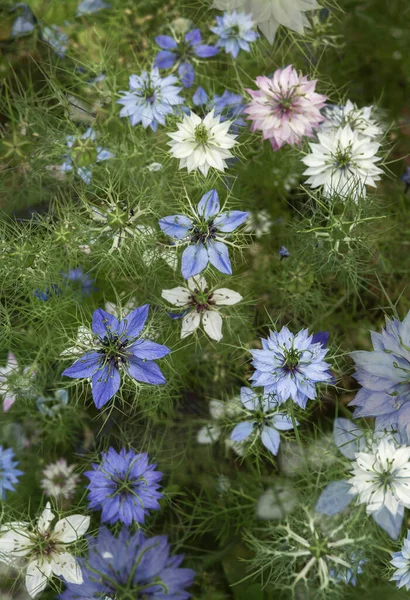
[406, 179]
[130, 566]
[229, 106]
[183, 52]
[47, 293]
[204, 233]
[81, 281]
[8, 472]
[124, 486]
[118, 347]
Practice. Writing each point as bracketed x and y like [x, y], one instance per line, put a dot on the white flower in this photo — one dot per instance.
[342, 163]
[43, 550]
[218, 410]
[200, 303]
[269, 14]
[154, 167]
[59, 480]
[15, 381]
[276, 502]
[259, 223]
[359, 119]
[153, 250]
[202, 143]
[381, 477]
[118, 221]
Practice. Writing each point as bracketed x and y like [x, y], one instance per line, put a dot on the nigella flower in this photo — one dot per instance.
[291, 366]
[25, 22]
[406, 179]
[401, 560]
[219, 412]
[204, 232]
[81, 282]
[384, 376]
[43, 548]
[283, 252]
[8, 473]
[124, 486]
[343, 163]
[117, 347]
[133, 566]
[83, 153]
[118, 221]
[150, 99]
[47, 293]
[261, 417]
[56, 38]
[59, 479]
[285, 108]
[200, 304]
[235, 31]
[227, 106]
[270, 14]
[359, 119]
[202, 143]
[183, 52]
[341, 574]
[15, 381]
[49, 406]
[87, 7]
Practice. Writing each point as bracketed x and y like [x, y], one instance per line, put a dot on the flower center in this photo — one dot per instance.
[150, 93]
[202, 232]
[114, 349]
[292, 358]
[342, 159]
[84, 152]
[201, 300]
[201, 134]
[319, 548]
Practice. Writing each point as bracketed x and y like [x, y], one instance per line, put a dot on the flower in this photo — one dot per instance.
[219, 411]
[86, 7]
[83, 154]
[406, 179]
[235, 31]
[48, 293]
[118, 221]
[150, 99]
[205, 234]
[359, 119]
[43, 550]
[15, 381]
[183, 52]
[342, 163]
[202, 143]
[56, 39]
[283, 252]
[25, 22]
[349, 575]
[59, 479]
[228, 106]
[384, 376]
[133, 565]
[200, 306]
[8, 473]
[285, 108]
[124, 486]
[82, 282]
[277, 501]
[117, 347]
[269, 14]
[263, 419]
[291, 365]
[259, 223]
[401, 560]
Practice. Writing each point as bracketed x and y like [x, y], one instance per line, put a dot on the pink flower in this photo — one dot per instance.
[285, 108]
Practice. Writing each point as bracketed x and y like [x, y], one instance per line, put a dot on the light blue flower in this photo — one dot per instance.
[86, 7]
[348, 575]
[150, 99]
[401, 560]
[204, 233]
[25, 22]
[56, 39]
[236, 31]
[8, 472]
[384, 375]
[291, 366]
[83, 154]
[261, 418]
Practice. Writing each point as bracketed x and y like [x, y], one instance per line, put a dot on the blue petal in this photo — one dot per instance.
[105, 384]
[104, 323]
[134, 322]
[176, 226]
[84, 366]
[390, 523]
[270, 439]
[227, 222]
[334, 498]
[194, 260]
[145, 349]
[145, 371]
[282, 421]
[164, 59]
[166, 42]
[200, 97]
[209, 205]
[193, 37]
[186, 74]
[249, 398]
[348, 437]
[242, 431]
[204, 51]
[219, 257]
[321, 337]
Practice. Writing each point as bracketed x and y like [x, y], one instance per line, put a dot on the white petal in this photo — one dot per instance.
[71, 528]
[197, 283]
[178, 296]
[14, 541]
[226, 297]
[43, 524]
[190, 322]
[65, 565]
[212, 322]
[208, 434]
[37, 575]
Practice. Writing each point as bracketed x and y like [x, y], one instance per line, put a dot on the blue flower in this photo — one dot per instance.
[150, 99]
[83, 154]
[235, 31]
[86, 7]
[229, 106]
[384, 375]
[56, 39]
[183, 52]
[119, 348]
[83, 282]
[205, 234]
[406, 179]
[25, 22]
[132, 566]
[262, 418]
[47, 293]
[401, 560]
[291, 365]
[124, 486]
[283, 252]
[8, 472]
[349, 575]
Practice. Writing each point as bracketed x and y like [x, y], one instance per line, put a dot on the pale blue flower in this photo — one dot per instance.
[8, 472]
[83, 154]
[86, 7]
[236, 31]
[401, 560]
[56, 38]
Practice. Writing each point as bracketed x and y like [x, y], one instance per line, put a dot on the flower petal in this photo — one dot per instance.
[145, 371]
[194, 260]
[212, 323]
[242, 431]
[226, 297]
[37, 575]
[134, 322]
[85, 366]
[71, 528]
[64, 565]
[219, 257]
[147, 350]
[105, 384]
[209, 205]
[270, 439]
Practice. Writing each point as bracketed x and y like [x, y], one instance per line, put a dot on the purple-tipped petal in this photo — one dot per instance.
[134, 322]
[209, 205]
[321, 337]
[104, 323]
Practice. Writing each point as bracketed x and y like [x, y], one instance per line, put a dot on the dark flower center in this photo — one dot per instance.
[202, 232]
[114, 349]
[201, 300]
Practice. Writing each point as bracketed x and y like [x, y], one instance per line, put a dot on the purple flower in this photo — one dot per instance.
[401, 560]
[204, 233]
[291, 365]
[81, 281]
[8, 472]
[229, 106]
[48, 293]
[384, 375]
[119, 347]
[131, 566]
[124, 486]
[406, 179]
[183, 52]
[262, 419]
